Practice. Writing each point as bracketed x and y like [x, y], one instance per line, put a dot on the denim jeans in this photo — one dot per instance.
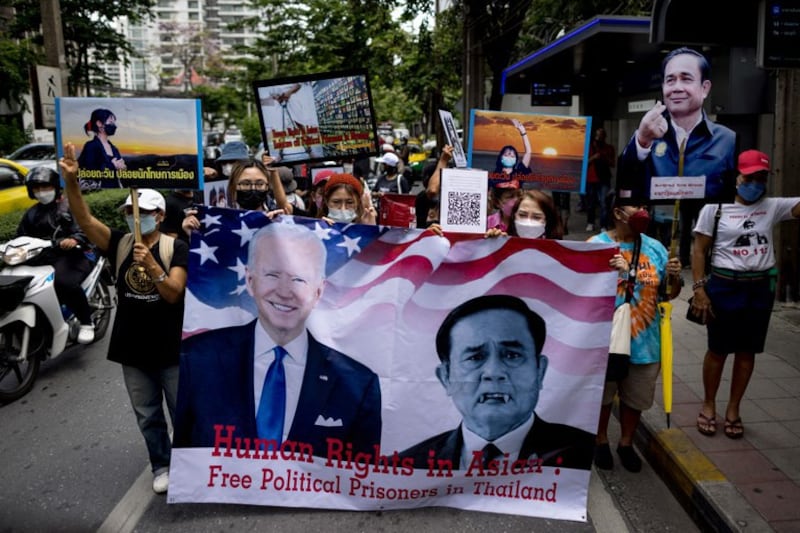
[147, 390]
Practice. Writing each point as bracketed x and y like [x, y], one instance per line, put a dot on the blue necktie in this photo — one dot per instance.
[272, 407]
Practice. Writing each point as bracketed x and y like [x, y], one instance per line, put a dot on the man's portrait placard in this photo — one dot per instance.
[133, 142]
[362, 367]
[540, 151]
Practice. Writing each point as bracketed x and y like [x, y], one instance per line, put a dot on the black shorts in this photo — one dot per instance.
[742, 309]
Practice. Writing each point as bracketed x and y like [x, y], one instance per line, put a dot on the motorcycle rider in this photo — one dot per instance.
[50, 219]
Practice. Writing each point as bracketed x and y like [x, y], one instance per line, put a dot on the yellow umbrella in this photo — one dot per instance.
[665, 309]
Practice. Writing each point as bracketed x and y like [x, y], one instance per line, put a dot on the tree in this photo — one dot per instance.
[222, 106]
[90, 38]
[189, 45]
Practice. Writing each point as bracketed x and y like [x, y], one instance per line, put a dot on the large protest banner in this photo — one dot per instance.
[540, 151]
[133, 142]
[387, 292]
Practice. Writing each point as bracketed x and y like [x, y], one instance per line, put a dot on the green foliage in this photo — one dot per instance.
[222, 106]
[15, 59]
[89, 35]
[251, 130]
[11, 137]
[103, 204]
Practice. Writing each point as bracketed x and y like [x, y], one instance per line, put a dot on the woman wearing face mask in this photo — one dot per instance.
[502, 197]
[509, 163]
[535, 216]
[343, 201]
[150, 291]
[255, 187]
[51, 219]
[100, 153]
[645, 271]
[249, 188]
[737, 296]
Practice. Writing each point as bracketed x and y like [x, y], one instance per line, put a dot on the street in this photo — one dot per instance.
[73, 460]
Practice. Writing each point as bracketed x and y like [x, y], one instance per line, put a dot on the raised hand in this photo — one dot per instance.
[652, 126]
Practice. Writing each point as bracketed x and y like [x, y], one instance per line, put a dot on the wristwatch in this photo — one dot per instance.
[161, 278]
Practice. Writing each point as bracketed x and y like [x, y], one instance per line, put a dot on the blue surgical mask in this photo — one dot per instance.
[508, 161]
[147, 223]
[751, 191]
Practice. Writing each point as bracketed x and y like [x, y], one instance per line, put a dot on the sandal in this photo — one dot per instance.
[734, 429]
[707, 426]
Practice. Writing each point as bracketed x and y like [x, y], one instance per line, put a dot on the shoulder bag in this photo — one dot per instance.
[619, 349]
[690, 315]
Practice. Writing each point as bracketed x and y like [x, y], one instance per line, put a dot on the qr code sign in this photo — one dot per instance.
[463, 208]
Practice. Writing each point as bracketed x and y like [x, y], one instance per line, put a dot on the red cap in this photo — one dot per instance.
[322, 175]
[752, 161]
[347, 179]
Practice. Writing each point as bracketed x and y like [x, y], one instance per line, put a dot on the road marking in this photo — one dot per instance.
[124, 517]
[605, 516]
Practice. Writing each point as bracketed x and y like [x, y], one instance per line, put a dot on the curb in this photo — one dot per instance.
[712, 500]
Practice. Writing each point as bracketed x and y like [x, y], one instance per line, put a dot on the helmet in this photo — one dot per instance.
[42, 175]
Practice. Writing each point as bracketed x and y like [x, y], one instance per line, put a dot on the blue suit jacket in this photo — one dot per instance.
[555, 444]
[710, 151]
[216, 387]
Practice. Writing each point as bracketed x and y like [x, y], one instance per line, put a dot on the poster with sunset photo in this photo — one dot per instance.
[133, 142]
[539, 151]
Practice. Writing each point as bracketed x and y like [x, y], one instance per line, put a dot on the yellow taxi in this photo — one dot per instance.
[13, 193]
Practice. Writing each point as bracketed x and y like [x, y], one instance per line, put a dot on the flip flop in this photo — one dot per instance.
[734, 429]
[705, 425]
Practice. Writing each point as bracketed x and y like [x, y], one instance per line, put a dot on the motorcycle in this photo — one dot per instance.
[34, 326]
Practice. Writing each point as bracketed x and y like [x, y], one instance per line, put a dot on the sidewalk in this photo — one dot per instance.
[749, 484]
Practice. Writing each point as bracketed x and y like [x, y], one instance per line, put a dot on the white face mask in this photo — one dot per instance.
[342, 215]
[529, 229]
[45, 197]
[226, 169]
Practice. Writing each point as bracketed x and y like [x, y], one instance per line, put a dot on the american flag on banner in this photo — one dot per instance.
[386, 293]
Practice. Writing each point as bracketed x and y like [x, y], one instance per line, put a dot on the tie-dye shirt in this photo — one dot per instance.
[645, 319]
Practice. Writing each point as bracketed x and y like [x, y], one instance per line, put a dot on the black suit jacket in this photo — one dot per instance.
[549, 442]
[340, 398]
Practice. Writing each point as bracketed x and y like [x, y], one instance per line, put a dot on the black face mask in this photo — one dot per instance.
[251, 199]
[111, 129]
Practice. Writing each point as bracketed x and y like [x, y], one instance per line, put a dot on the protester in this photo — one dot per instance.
[533, 216]
[602, 158]
[492, 367]
[249, 188]
[502, 198]
[709, 148]
[290, 189]
[317, 192]
[50, 219]
[271, 378]
[643, 260]
[146, 334]
[343, 201]
[231, 153]
[392, 181]
[178, 201]
[736, 298]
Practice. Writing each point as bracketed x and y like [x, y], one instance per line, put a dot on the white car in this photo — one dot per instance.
[35, 155]
[233, 134]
